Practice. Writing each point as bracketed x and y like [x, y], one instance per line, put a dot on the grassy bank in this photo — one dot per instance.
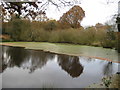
[69, 49]
[54, 32]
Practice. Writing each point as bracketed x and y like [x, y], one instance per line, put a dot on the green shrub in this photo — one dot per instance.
[50, 31]
[41, 35]
[54, 36]
[50, 25]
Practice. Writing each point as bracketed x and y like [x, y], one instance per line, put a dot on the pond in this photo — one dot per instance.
[24, 68]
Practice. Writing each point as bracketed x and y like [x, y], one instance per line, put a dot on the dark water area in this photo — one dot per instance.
[23, 68]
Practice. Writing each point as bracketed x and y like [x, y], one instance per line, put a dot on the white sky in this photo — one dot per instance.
[95, 11]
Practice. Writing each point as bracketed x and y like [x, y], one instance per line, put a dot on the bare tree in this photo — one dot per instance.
[32, 8]
[37, 6]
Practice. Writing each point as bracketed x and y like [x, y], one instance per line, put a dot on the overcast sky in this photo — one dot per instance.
[95, 11]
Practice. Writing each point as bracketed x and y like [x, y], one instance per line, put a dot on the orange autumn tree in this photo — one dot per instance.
[73, 17]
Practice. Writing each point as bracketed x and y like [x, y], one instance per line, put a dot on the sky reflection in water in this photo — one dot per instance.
[23, 68]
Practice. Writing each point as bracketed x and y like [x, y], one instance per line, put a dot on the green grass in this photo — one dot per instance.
[69, 49]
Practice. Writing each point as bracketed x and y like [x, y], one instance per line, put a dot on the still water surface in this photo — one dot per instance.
[23, 68]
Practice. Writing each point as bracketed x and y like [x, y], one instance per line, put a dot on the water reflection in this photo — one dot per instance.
[30, 59]
[13, 56]
[70, 64]
[27, 59]
[108, 69]
[0, 59]
[48, 68]
[36, 59]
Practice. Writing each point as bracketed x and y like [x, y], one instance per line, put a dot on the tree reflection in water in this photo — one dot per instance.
[71, 65]
[30, 59]
[36, 59]
[0, 59]
[107, 69]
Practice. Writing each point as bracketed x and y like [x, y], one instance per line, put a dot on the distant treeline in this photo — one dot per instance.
[54, 31]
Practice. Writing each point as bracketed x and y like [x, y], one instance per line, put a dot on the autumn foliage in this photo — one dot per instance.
[66, 30]
[73, 17]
